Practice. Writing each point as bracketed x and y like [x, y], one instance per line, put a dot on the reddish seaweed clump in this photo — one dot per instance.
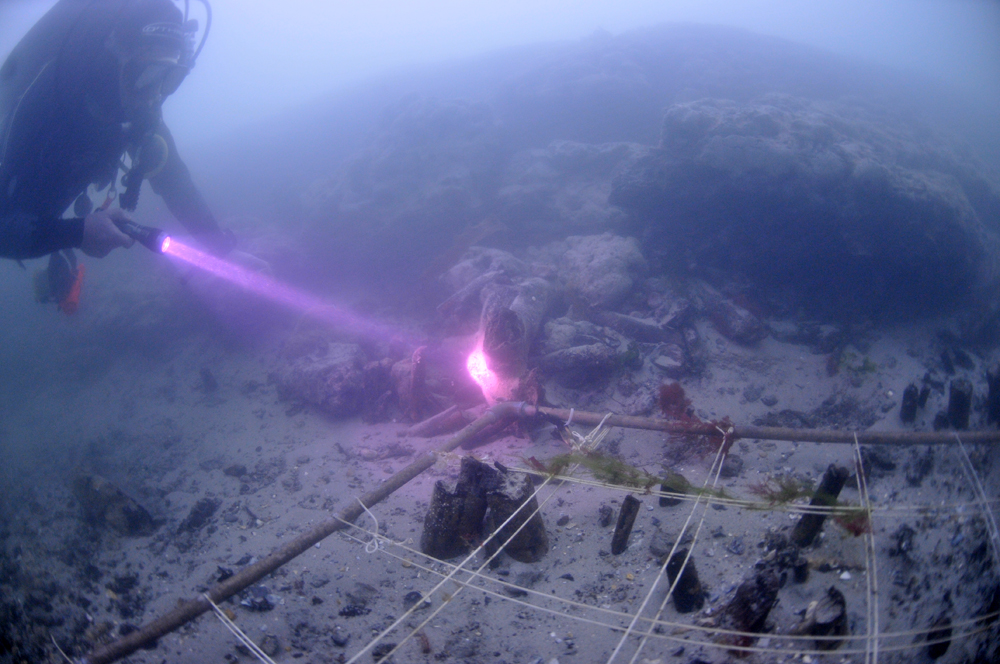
[855, 522]
[701, 437]
[673, 402]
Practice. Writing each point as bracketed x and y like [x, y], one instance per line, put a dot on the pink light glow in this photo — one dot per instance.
[265, 286]
[482, 374]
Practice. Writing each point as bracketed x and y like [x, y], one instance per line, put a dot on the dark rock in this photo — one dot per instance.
[876, 461]
[826, 617]
[104, 504]
[380, 653]
[669, 501]
[340, 637]
[361, 594]
[330, 380]
[919, 466]
[257, 598]
[959, 403]
[412, 598]
[939, 638]
[732, 466]
[270, 645]
[688, 594]
[353, 611]
[563, 520]
[661, 543]
[941, 420]
[752, 392]
[736, 546]
[235, 470]
[604, 515]
[734, 322]
[521, 581]
[902, 541]
[199, 515]
[581, 366]
[638, 329]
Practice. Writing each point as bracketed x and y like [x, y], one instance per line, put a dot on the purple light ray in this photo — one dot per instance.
[265, 286]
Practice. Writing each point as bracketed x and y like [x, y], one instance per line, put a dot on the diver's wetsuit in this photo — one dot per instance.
[63, 126]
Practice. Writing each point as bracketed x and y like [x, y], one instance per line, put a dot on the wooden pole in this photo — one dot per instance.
[771, 433]
[247, 576]
[191, 609]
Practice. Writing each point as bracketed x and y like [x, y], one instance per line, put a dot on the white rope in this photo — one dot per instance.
[980, 622]
[64, 655]
[463, 584]
[238, 633]
[991, 524]
[871, 577]
[377, 541]
[717, 467]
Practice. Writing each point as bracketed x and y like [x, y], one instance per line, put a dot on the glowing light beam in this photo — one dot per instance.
[267, 287]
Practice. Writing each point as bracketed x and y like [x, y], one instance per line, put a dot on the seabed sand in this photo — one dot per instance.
[153, 428]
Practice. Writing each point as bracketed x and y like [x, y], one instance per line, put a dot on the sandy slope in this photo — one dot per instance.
[154, 429]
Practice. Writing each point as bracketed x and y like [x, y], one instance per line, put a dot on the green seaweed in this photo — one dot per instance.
[631, 358]
[850, 361]
[781, 490]
[612, 470]
[852, 518]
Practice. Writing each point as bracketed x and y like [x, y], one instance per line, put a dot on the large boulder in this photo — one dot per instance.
[854, 210]
[601, 270]
[563, 190]
[329, 377]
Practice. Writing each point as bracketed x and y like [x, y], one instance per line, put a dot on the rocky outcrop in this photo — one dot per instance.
[850, 208]
[601, 270]
[329, 379]
[549, 193]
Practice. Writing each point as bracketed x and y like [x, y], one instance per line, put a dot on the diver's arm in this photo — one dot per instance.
[25, 235]
[173, 183]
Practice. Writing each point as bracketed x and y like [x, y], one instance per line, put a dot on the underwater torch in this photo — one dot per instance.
[153, 239]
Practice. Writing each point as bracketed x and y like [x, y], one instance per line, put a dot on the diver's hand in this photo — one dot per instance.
[100, 235]
[249, 262]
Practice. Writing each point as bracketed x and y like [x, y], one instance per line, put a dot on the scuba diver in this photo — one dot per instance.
[80, 94]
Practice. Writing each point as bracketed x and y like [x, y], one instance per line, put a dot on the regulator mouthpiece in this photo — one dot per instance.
[153, 239]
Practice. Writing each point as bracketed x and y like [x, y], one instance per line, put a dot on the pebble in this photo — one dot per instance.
[845, 576]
